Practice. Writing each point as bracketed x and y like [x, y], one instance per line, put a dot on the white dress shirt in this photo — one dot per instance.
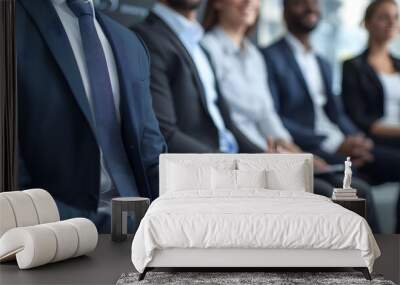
[71, 27]
[309, 66]
[242, 74]
[190, 33]
[391, 90]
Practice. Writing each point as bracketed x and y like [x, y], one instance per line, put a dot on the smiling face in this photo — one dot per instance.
[242, 13]
[302, 16]
[383, 23]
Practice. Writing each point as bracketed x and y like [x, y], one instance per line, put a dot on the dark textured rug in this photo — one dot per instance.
[244, 278]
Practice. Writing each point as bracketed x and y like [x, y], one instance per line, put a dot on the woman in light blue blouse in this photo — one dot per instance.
[241, 71]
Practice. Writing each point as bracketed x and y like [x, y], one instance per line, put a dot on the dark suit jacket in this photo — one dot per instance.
[58, 148]
[178, 97]
[362, 91]
[293, 100]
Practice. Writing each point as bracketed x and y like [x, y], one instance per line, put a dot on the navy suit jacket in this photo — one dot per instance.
[293, 100]
[57, 146]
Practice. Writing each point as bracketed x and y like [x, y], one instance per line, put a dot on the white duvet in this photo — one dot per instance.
[250, 219]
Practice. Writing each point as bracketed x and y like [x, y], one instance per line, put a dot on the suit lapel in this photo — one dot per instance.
[331, 104]
[295, 66]
[128, 97]
[179, 46]
[324, 74]
[371, 73]
[217, 88]
[52, 30]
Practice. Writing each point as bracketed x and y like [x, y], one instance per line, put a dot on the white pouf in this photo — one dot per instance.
[7, 220]
[23, 208]
[37, 245]
[45, 205]
[31, 233]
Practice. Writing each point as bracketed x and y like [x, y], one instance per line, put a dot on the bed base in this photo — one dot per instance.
[143, 274]
[238, 259]
[363, 270]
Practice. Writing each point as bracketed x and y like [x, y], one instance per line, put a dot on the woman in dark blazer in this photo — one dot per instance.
[371, 81]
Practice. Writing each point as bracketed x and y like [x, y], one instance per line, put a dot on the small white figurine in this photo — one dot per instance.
[347, 174]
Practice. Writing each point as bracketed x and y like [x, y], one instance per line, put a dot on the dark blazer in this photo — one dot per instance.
[178, 97]
[362, 91]
[293, 100]
[58, 148]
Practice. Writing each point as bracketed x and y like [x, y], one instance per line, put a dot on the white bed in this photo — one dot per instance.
[198, 223]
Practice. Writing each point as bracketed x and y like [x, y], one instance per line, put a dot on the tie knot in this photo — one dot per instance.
[80, 7]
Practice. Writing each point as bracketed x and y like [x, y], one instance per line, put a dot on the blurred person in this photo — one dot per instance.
[301, 84]
[87, 130]
[240, 70]
[193, 117]
[241, 74]
[371, 81]
[185, 92]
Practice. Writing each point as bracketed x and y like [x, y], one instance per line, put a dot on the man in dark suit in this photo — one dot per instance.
[301, 84]
[87, 131]
[193, 116]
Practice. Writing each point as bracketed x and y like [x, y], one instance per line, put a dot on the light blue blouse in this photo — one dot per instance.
[242, 76]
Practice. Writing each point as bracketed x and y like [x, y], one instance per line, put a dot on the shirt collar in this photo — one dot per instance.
[62, 2]
[190, 32]
[229, 45]
[297, 46]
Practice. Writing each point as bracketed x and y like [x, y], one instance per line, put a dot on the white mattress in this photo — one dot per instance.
[252, 219]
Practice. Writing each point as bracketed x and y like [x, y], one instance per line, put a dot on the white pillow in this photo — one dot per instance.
[293, 181]
[252, 179]
[237, 179]
[183, 178]
[223, 179]
[289, 175]
[184, 174]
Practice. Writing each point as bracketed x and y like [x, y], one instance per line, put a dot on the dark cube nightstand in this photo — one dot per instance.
[121, 208]
[358, 206]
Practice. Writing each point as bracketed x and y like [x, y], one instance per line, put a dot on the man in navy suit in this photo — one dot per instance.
[301, 84]
[87, 131]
